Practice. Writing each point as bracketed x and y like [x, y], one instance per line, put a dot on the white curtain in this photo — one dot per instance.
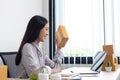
[90, 25]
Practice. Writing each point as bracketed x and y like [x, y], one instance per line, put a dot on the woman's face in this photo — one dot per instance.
[43, 33]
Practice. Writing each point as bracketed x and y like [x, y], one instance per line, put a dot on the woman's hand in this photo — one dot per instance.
[58, 48]
[56, 70]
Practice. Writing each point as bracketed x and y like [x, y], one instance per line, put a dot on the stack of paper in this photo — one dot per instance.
[70, 76]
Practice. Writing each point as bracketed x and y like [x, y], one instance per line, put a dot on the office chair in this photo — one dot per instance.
[9, 60]
[1, 61]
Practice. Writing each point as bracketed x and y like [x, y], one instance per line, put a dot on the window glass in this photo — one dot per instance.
[83, 20]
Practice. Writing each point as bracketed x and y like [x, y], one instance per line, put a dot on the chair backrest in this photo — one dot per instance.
[1, 61]
[9, 60]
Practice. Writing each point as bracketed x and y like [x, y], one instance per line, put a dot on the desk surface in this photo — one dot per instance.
[113, 75]
[16, 79]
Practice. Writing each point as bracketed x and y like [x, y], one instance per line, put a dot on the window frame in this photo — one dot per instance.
[51, 28]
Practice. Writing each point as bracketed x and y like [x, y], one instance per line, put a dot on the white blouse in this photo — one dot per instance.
[33, 58]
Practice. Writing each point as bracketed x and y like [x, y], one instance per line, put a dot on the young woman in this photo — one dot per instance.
[30, 56]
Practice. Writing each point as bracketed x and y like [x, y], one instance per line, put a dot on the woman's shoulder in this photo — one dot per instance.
[28, 45]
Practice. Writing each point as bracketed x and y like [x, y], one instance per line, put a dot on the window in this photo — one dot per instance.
[116, 25]
[90, 25]
[83, 20]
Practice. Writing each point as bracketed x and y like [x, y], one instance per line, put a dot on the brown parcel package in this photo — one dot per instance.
[61, 36]
[3, 72]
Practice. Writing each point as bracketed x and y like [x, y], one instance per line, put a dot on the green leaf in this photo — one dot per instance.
[33, 77]
[49, 76]
[108, 64]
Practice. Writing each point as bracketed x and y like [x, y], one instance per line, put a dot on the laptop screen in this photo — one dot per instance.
[98, 61]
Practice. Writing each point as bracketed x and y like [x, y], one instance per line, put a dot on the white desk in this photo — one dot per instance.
[114, 75]
[16, 79]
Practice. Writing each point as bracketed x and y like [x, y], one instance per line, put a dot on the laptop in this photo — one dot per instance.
[94, 70]
[96, 66]
[98, 61]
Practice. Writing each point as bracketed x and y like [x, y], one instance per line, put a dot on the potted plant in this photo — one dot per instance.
[108, 66]
[33, 76]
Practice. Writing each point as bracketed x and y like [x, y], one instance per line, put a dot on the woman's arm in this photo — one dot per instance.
[57, 60]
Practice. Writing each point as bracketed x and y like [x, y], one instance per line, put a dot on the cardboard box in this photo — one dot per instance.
[3, 72]
[110, 57]
[108, 49]
[61, 36]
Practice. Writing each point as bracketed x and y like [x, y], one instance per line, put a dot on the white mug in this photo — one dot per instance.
[56, 76]
[45, 69]
[43, 76]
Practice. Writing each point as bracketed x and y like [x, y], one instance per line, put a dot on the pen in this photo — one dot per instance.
[71, 71]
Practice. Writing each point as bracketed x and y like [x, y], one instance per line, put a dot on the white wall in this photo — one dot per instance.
[14, 17]
[45, 12]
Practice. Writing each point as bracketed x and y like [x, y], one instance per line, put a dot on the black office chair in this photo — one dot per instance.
[9, 60]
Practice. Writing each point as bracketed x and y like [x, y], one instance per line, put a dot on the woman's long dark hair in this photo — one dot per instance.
[35, 24]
